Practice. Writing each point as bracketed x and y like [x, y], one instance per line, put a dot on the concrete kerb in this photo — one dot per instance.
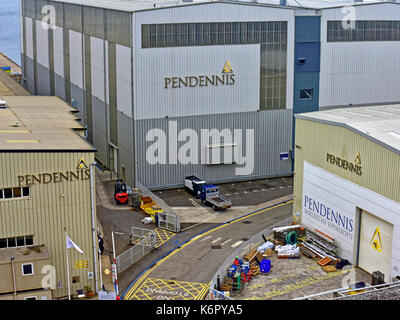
[254, 242]
[201, 233]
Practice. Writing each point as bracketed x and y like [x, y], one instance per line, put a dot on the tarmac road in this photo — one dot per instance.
[185, 273]
[240, 193]
[202, 252]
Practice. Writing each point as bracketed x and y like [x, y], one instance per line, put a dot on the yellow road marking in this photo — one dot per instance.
[159, 289]
[158, 263]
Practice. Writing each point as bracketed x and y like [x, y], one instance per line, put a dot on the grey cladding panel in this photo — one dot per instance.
[272, 135]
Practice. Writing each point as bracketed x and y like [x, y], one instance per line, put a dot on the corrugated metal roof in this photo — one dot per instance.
[378, 123]
[138, 5]
[33, 123]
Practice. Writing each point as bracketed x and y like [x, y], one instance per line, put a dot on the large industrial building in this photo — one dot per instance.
[347, 185]
[170, 88]
[45, 194]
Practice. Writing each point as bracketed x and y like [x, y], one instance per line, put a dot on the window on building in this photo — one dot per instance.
[30, 298]
[20, 241]
[28, 240]
[11, 242]
[17, 192]
[306, 94]
[215, 33]
[14, 193]
[25, 192]
[27, 269]
[363, 30]
[7, 193]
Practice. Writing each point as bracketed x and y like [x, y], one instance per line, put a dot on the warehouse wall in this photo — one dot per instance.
[49, 209]
[356, 72]
[375, 190]
[153, 65]
[315, 141]
[85, 60]
[156, 63]
[272, 135]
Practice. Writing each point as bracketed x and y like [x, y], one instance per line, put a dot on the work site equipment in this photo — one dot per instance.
[210, 195]
[120, 192]
[168, 219]
[149, 206]
[194, 185]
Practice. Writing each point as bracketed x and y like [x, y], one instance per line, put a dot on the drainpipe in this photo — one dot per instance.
[95, 255]
[13, 272]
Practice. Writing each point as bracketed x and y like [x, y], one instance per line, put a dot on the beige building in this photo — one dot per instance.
[19, 267]
[347, 182]
[45, 189]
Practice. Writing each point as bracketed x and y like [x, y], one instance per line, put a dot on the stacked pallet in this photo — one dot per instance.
[320, 247]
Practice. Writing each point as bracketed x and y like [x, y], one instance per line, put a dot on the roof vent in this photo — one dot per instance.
[282, 3]
[3, 104]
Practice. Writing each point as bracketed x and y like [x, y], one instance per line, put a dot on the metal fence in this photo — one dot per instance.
[143, 241]
[241, 251]
[387, 291]
[170, 220]
[218, 295]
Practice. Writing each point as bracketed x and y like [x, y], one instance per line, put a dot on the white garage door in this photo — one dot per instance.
[375, 253]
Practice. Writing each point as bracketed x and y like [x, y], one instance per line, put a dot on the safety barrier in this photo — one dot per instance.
[143, 241]
[169, 220]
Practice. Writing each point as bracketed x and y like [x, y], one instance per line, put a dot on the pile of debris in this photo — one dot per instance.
[287, 243]
[286, 239]
[257, 262]
[243, 270]
[321, 247]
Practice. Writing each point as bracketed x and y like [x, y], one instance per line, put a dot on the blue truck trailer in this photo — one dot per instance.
[208, 193]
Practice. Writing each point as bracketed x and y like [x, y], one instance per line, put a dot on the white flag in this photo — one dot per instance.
[71, 244]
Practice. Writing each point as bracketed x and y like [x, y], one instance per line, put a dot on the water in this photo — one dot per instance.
[9, 30]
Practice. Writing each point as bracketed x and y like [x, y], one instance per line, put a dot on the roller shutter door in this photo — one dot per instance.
[375, 251]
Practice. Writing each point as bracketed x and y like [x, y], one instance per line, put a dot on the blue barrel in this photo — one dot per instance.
[265, 265]
[232, 271]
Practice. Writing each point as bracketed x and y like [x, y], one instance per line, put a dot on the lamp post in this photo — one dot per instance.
[115, 262]
[95, 255]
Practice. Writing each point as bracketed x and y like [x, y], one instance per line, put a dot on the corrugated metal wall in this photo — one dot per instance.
[272, 132]
[306, 64]
[49, 209]
[356, 72]
[380, 166]
[64, 63]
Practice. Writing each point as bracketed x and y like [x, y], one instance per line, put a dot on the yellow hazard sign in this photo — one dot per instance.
[376, 242]
[83, 264]
[358, 159]
[82, 164]
[227, 68]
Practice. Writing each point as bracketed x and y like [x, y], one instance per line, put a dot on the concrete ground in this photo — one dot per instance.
[294, 278]
[288, 279]
[242, 194]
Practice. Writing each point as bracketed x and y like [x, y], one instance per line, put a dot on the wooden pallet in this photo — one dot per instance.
[325, 261]
[329, 268]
